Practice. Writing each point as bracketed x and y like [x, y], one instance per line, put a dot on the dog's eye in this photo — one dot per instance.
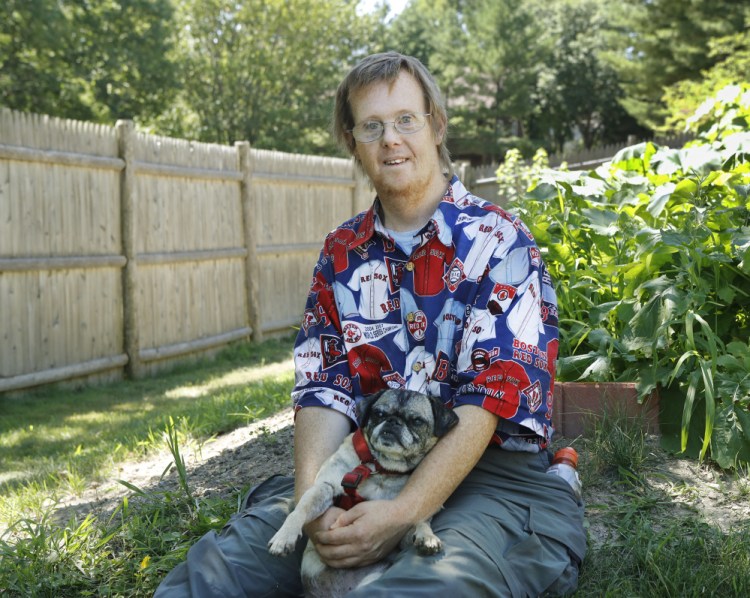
[417, 421]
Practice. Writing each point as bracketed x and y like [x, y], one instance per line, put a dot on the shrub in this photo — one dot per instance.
[651, 258]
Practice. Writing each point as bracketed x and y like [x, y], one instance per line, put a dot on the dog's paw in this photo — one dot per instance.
[427, 544]
[281, 544]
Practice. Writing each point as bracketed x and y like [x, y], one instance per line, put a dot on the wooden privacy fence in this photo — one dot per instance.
[122, 250]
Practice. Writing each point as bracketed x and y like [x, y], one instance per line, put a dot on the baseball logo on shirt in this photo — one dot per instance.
[309, 319]
[352, 333]
[455, 275]
[416, 322]
[394, 380]
[480, 360]
[395, 273]
[362, 249]
[536, 256]
[332, 350]
[533, 396]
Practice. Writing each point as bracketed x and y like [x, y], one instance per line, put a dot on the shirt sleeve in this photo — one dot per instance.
[322, 375]
[507, 353]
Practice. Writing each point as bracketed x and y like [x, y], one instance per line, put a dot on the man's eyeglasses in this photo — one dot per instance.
[372, 130]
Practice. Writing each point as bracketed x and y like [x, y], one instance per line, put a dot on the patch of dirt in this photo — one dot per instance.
[677, 487]
[221, 467]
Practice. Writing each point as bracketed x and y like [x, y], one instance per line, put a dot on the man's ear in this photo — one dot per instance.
[439, 133]
[364, 406]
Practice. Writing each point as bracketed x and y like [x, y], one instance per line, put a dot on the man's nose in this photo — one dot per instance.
[390, 134]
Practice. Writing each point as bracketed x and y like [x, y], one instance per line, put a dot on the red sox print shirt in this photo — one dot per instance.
[470, 316]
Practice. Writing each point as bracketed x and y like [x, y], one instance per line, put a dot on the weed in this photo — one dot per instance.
[619, 444]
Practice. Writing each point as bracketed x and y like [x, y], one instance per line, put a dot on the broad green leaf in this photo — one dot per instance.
[726, 294]
[685, 189]
[700, 159]
[543, 192]
[598, 370]
[730, 440]
[601, 221]
[629, 153]
[590, 187]
[666, 161]
[562, 254]
[648, 319]
[659, 199]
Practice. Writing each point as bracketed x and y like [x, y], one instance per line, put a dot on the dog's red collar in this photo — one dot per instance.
[351, 481]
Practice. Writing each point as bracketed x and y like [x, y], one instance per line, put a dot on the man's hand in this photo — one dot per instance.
[370, 530]
[360, 536]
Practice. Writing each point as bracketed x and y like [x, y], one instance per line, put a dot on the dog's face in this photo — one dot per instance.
[401, 426]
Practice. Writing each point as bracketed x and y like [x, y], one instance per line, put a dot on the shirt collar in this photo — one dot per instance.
[373, 222]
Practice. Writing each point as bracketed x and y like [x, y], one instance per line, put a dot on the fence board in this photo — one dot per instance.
[46, 313]
[190, 300]
[56, 134]
[53, 209]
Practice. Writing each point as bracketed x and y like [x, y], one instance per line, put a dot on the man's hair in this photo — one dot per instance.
[386, 67]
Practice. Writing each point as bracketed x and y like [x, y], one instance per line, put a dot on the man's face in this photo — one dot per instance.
[399, 166]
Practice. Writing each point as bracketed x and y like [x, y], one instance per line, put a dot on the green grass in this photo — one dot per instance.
[645, 545]
[653, 546]
[57, 441]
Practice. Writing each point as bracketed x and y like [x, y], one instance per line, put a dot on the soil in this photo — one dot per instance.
[229, 464]
[224, 466]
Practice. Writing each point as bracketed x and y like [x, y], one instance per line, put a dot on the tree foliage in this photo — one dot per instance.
[492, 55]
[516, 73]
[264, 70]
[96, 61]
[579, 91]
[683, 98]
[657, 43]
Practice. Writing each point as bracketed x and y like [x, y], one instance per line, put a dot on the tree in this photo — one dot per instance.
[657, 43]
[265, 70]
[683, 98]
[578, 92]
[415, 31]
[485, 55]
[34, 73]
[120, 49]
[86, 60]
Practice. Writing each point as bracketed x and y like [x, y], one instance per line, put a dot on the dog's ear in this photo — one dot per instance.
[445, 418]
[364, 406]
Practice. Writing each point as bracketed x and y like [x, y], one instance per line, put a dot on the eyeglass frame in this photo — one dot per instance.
[391, 122]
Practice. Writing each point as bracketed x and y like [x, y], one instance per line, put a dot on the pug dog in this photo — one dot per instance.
[397, 429]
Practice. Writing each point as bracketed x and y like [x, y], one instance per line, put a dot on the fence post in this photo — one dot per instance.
[128, 225]
[250, 216]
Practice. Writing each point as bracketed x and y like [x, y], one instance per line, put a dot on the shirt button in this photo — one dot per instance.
[410, 266]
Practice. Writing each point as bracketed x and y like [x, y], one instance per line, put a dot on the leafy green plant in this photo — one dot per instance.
[651, 258]
[515, 176]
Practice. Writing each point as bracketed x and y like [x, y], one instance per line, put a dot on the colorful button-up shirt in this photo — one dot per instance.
[470, 316]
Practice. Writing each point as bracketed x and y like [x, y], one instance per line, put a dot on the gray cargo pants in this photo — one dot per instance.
[508, 530]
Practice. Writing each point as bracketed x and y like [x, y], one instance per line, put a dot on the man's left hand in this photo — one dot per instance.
[362, 535]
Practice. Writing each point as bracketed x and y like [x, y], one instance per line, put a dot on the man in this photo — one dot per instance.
[433, 290]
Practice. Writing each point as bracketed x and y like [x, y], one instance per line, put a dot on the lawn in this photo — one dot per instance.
[657, 525]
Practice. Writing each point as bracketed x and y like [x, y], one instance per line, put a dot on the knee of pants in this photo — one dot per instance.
[236, 562]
